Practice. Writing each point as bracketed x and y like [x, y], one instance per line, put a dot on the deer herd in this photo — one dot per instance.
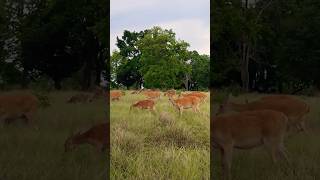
[265, 121]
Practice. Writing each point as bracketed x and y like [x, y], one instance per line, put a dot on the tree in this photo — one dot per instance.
[67, 37]
[200, 70]
[128, 73]
[163, 56]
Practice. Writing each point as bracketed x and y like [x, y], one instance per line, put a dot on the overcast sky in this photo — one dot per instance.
[189, 19]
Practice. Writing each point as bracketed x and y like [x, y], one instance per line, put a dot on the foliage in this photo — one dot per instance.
[156, 59]
[283, 37]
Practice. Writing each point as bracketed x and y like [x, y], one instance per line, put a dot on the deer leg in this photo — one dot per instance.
[28, 117]
[270, 145]
[226, 161]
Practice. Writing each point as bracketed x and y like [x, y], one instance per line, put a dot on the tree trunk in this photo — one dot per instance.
[245, 67]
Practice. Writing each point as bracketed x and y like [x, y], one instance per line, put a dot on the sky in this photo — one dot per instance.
[189, 19]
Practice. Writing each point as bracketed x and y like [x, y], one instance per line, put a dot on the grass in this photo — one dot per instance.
[27, 154]
[143, 147]
[304, 152]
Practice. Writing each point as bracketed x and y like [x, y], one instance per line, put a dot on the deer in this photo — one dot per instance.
[79, 98]
[185, 103]
[152, 94]
[246, 130]
[97, 136]
[144, 104]
[170, 93]
[293, 108]
[97, 93]
[116, 94]
[18, 105]
[200, 95]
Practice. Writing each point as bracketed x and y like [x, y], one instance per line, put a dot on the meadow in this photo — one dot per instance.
[28, 154]
[303, 150]
[143, 147]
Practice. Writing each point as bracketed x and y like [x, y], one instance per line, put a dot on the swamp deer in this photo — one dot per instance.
[200, 95]
[79, 98]
[116, 94]
[152, 94]
[16, 105]
[170, 93]
[144, 104]
[97, 136]
[186, 103]
[293, 108]
[246, 130]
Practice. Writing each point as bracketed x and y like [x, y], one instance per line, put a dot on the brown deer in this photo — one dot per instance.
[79, 98]
[246, 130]
[152, 94]
[200, 95]
[170, 93]
[292, 107]
[16, 105]
[144, 104]
[116, 94]
[186, 103]
[97, 136]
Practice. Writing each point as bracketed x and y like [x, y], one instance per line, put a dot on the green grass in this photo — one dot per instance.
[27, 154]
[304, 152]
[142, 147]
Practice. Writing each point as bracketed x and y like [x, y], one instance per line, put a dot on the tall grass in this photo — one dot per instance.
[304, 152]
[28, 154]
[143, 147]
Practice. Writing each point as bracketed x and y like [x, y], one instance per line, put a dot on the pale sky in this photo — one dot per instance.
[189, 19]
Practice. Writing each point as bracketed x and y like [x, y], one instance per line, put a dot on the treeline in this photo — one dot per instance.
[266, 46]
[52, 41]
[154, 58]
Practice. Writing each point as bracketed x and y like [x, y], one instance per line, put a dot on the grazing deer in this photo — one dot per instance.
[246, 130]
[98, 92]
[292, 107]
[144, 104]
[16, 105]
[79, 98]
[170, 93]
[200, 95]
[152, 94]
[97, 136]
[185, 103]
[116, 94]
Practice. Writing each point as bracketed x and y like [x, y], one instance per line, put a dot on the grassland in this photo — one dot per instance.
[142, 147]
[28, 154]
[304, 152]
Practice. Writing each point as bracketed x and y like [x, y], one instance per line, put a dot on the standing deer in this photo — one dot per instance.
[246, 130]
[293, 108]
[16, 105]
[144, 104]
[97, 136]
[200, 95]
[186, 103]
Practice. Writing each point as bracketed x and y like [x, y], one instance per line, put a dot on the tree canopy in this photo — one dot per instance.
[157, 59]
